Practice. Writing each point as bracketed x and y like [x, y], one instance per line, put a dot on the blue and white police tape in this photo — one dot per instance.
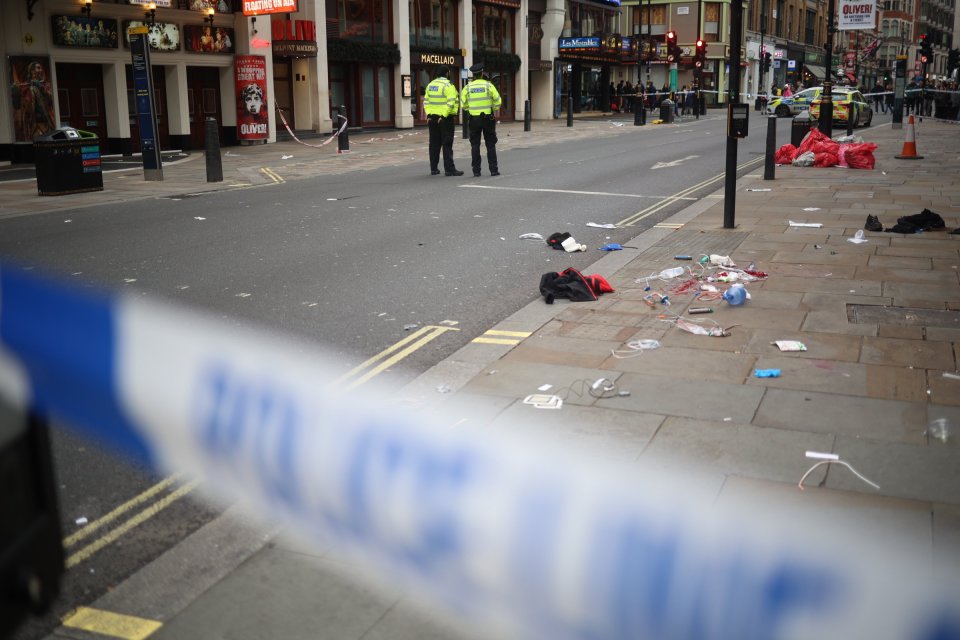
[513, 536]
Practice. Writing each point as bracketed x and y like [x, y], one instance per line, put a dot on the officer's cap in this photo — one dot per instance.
[442, 71]
[477, 68]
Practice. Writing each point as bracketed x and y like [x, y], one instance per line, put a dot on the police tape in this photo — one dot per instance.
[293, 135]
[512, 535]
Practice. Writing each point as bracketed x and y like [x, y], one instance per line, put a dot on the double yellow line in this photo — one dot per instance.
[391, 355]
[273, 175]
[666, 202]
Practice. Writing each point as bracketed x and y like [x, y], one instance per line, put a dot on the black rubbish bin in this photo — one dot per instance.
[800, 126]
[666, 111]
[67, 161]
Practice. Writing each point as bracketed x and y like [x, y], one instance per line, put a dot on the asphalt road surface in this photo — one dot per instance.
[353, 261]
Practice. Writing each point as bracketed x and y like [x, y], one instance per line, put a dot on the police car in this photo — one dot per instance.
[786, 106]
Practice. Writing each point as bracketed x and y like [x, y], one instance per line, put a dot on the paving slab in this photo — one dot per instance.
[685, 363]
[707, 400]
[848, 378]
[561, 350]
[518, 379]
[597, 432]
[907, 353]
[737, 449]
[917, 472]
[894, 421]
[820, 346]
[827, 284]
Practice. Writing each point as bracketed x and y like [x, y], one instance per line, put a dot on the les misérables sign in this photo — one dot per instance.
[264, 7]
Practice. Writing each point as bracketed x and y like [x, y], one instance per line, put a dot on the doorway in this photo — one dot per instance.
[80, 98]
[203, 100]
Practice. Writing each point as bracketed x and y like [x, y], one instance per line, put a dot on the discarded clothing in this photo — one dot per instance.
[926, 220]
[573, 285]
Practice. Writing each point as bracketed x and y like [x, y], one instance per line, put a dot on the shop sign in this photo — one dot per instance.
[84, 32]
[294, 38]
[579, 44]
[264, 7]
[406, 86]
[294, 49]
[444, 59]
[160, 3]
[250, 74]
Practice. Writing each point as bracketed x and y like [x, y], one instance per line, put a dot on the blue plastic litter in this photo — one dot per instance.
[766, 373]
[611, 246]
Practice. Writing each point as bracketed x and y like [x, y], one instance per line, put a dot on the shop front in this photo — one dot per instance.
[584, 68]
[494, 26]
[294, 49]
[423, 69]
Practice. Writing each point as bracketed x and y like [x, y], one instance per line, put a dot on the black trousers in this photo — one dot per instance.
[485, 125]
[441, 137]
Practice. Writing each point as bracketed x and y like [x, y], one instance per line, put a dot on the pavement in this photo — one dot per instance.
[880, 321]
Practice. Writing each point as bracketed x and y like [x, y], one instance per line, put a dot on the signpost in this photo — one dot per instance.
[143, 94]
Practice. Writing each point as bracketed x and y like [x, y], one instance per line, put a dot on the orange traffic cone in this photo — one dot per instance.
[910, 144]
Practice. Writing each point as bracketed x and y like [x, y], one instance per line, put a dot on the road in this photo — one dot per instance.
[356, 262]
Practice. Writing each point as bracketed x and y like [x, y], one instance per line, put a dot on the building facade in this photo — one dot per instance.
[68, 62]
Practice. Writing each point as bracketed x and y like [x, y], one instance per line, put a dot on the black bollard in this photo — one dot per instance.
[526, 115]
[850, 119]
[569, 112]
[466, 125]
[343, 140]
[212, 147]
[769, 165]
[638, 110]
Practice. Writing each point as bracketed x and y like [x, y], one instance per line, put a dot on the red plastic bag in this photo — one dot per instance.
[857, 156]
[809, 140]
[785, 154]
[827, 146]
[825, 159]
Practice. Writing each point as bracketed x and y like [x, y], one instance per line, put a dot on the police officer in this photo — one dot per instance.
[441, 102]
[481, 100]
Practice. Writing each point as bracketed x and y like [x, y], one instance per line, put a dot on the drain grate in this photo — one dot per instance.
[907, 316]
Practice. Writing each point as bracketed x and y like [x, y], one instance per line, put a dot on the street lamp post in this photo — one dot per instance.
[826, 97]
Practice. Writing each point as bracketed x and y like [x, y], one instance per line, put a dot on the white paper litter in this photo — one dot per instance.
[199, 218]
[530, 236]
[81, 520]
[285, 157]
[543, 401]
[811, 208]
[607, 225]
[759, 189]
[789, 345]
[814, 225]
[545, 387]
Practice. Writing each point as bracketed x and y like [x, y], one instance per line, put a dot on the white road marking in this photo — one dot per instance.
[672, 163]
[578, 193]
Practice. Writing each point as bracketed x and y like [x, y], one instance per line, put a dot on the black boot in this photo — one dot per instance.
[873, 224]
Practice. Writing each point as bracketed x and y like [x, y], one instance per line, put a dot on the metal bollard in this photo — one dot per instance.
[526, 115]
[212, 151]
[850, 119]
[569, 111]
[639, 111]
[343, 140]
[466, 125]
[769, 165]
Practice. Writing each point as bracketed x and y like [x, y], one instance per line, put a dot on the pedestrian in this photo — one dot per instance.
[787, 91]
[441, 103]
[482, 101]
[878, 101]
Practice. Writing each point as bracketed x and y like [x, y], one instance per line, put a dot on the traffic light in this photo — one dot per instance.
[673, 50]
[701, 58]
[926, 49]
[767, 61]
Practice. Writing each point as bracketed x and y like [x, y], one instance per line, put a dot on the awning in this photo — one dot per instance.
[818, 72]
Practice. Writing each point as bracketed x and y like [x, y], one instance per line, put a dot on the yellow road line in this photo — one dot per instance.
[270, 173]
[141, 517]
[111, 624]
[77, 536]
[667, 225]
[500, 332]
[483, 340]
[681, 195]
[400, 350]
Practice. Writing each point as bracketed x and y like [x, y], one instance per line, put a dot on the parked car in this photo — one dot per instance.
[787, 106]
[847, 103]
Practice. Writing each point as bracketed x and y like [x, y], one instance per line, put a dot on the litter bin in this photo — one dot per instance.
[800, 127]
[67, 161]
[666, 110]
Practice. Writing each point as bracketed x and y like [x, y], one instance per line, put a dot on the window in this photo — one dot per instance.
[809, 27]
[711, 21]
[433, 23]
[362, 20]
[658, 23]
[209, 100]
[492, 28]
[778, 19]
[63, 100]
[89, 104]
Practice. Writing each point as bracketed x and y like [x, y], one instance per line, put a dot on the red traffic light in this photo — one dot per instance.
[700, 44]
[671, 36]
[923, 59]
